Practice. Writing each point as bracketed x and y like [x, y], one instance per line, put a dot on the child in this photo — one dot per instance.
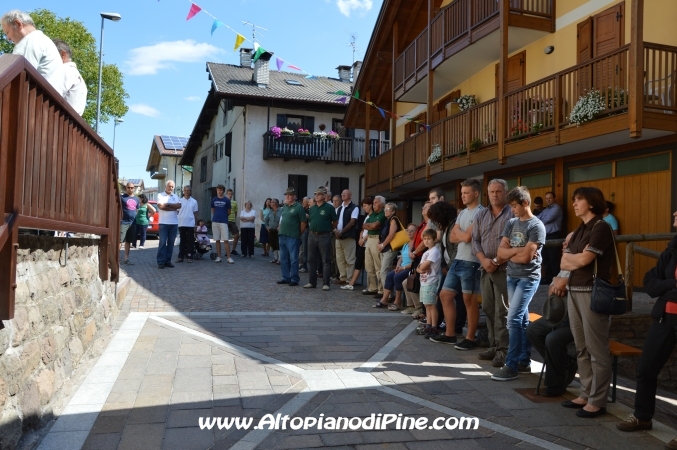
[201, 231]
[429, 268]
[522, 240]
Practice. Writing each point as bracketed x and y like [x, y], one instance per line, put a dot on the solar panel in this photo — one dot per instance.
[174, 142]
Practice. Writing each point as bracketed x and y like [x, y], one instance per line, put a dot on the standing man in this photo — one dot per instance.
[187, 221]
[521, 244]
[130, 204]
[220, 212]
[321, 222]
[232, 226]
[292, 224]
[169, 204]
[33, 45]
[463, 275]
[486, 236]
[372, 255]
[75, 89]
[551, 216]
[335, 274]
[346, 235]
[303, 252]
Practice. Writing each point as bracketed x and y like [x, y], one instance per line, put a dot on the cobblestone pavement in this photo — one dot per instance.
[218, 340]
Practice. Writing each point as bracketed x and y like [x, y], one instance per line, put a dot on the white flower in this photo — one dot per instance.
[436, 155]
[466, 101]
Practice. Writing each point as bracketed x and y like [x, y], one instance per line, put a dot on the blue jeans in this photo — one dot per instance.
[166, 245]
[289, 258]
[520, 293]
[304, 250]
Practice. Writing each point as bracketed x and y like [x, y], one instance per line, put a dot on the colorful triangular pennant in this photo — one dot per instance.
[279, 63]
[239, 39]
[217, 23]
[194, 9]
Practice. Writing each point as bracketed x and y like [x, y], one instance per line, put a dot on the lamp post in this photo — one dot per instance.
[114, 17]
[117, 122]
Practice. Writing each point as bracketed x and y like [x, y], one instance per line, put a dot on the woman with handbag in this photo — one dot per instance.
[589, 257]
[390, 228]
[394, 279]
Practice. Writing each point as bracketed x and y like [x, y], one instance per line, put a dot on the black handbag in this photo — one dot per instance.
[608, 298]
[413, 280]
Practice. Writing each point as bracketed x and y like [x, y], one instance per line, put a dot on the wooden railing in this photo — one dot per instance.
[56, 173]
[455, 22]
[346, 150]
[660, 87]
[547, 103]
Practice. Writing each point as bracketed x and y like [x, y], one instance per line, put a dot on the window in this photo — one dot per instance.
[227, 106]
[220, 149]
[537, 181]
[512, 183]
[652, 163]
[203, 169]
[215, 152]
[294, 82]
[588, 173]
[229, 144]
[338, 185]
[300, 183]
[294, 122]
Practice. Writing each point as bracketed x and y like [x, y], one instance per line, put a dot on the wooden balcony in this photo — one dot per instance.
[457, 26]
[56, 173]
[537, 118]
[345, 150]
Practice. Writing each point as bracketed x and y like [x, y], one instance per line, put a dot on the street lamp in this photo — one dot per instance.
[117, 122]
[114, 17]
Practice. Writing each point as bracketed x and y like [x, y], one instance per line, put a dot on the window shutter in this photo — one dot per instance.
[281, 120]
[309, 123]
[229, 144]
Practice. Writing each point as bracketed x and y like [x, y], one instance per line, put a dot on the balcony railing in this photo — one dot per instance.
[346, 150]
[455, 26]
[56, 173]
[540, 108]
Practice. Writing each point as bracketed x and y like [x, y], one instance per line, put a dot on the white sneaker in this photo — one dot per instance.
[230, 261]
[347, 287]
[325, 287]
[217, 259]
[141, 247]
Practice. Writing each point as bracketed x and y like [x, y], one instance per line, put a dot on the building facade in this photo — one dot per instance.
[528, 64]
[164, 162]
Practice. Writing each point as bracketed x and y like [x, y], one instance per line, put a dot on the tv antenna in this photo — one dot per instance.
[254, 32]
[353, 44]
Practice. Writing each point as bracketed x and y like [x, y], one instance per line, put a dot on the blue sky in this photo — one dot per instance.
[163, 56]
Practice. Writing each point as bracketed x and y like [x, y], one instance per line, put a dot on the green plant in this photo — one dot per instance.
[475, 144]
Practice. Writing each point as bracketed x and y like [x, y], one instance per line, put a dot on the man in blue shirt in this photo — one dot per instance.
[551, 216]
[220, 212]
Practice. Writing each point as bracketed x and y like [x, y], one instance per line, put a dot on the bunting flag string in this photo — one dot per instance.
[382, 111]
[240, 39]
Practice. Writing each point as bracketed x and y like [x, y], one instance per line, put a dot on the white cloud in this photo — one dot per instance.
[144, 110]
[192, 98]
[346, 6]
[152, 58]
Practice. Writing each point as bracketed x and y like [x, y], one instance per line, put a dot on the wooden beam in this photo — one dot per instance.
[431, 76]
[636, 94]
[410, 23]
[502, 79]
[367, 130]
[393, 122]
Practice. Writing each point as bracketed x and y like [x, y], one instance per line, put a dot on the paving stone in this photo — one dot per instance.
[187, 439]
[149, 414]
[191, 400]
[142, 437]
[109, 424]
[182, 418]
[342, 438]
[102, 441]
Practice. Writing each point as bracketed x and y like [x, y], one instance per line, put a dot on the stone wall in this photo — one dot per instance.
[631, 329]
[62, 310]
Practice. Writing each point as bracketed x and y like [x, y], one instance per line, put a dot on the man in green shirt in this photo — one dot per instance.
[372, 254]
[232, 226]
[322, 221]
[292, 224]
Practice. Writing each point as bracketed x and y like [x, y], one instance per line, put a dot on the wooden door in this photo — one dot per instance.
[517, 72]
[608, 31]
[584, 54]
[637, 213]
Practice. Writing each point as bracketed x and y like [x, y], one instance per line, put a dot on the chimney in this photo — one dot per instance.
[246, 57]
[344, 73]
[357, 65]
[261, 75]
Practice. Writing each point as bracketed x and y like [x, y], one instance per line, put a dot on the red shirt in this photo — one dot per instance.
[418, 237]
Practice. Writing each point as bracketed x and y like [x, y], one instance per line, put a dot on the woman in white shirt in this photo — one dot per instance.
[247, 230]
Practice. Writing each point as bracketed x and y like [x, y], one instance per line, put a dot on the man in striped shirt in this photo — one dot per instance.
[486, 236]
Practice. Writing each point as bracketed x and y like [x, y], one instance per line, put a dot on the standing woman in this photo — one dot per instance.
[592, 241]
[247, 229]
[390, 228]
[145, 210]
[272, 224]
[263, 235]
